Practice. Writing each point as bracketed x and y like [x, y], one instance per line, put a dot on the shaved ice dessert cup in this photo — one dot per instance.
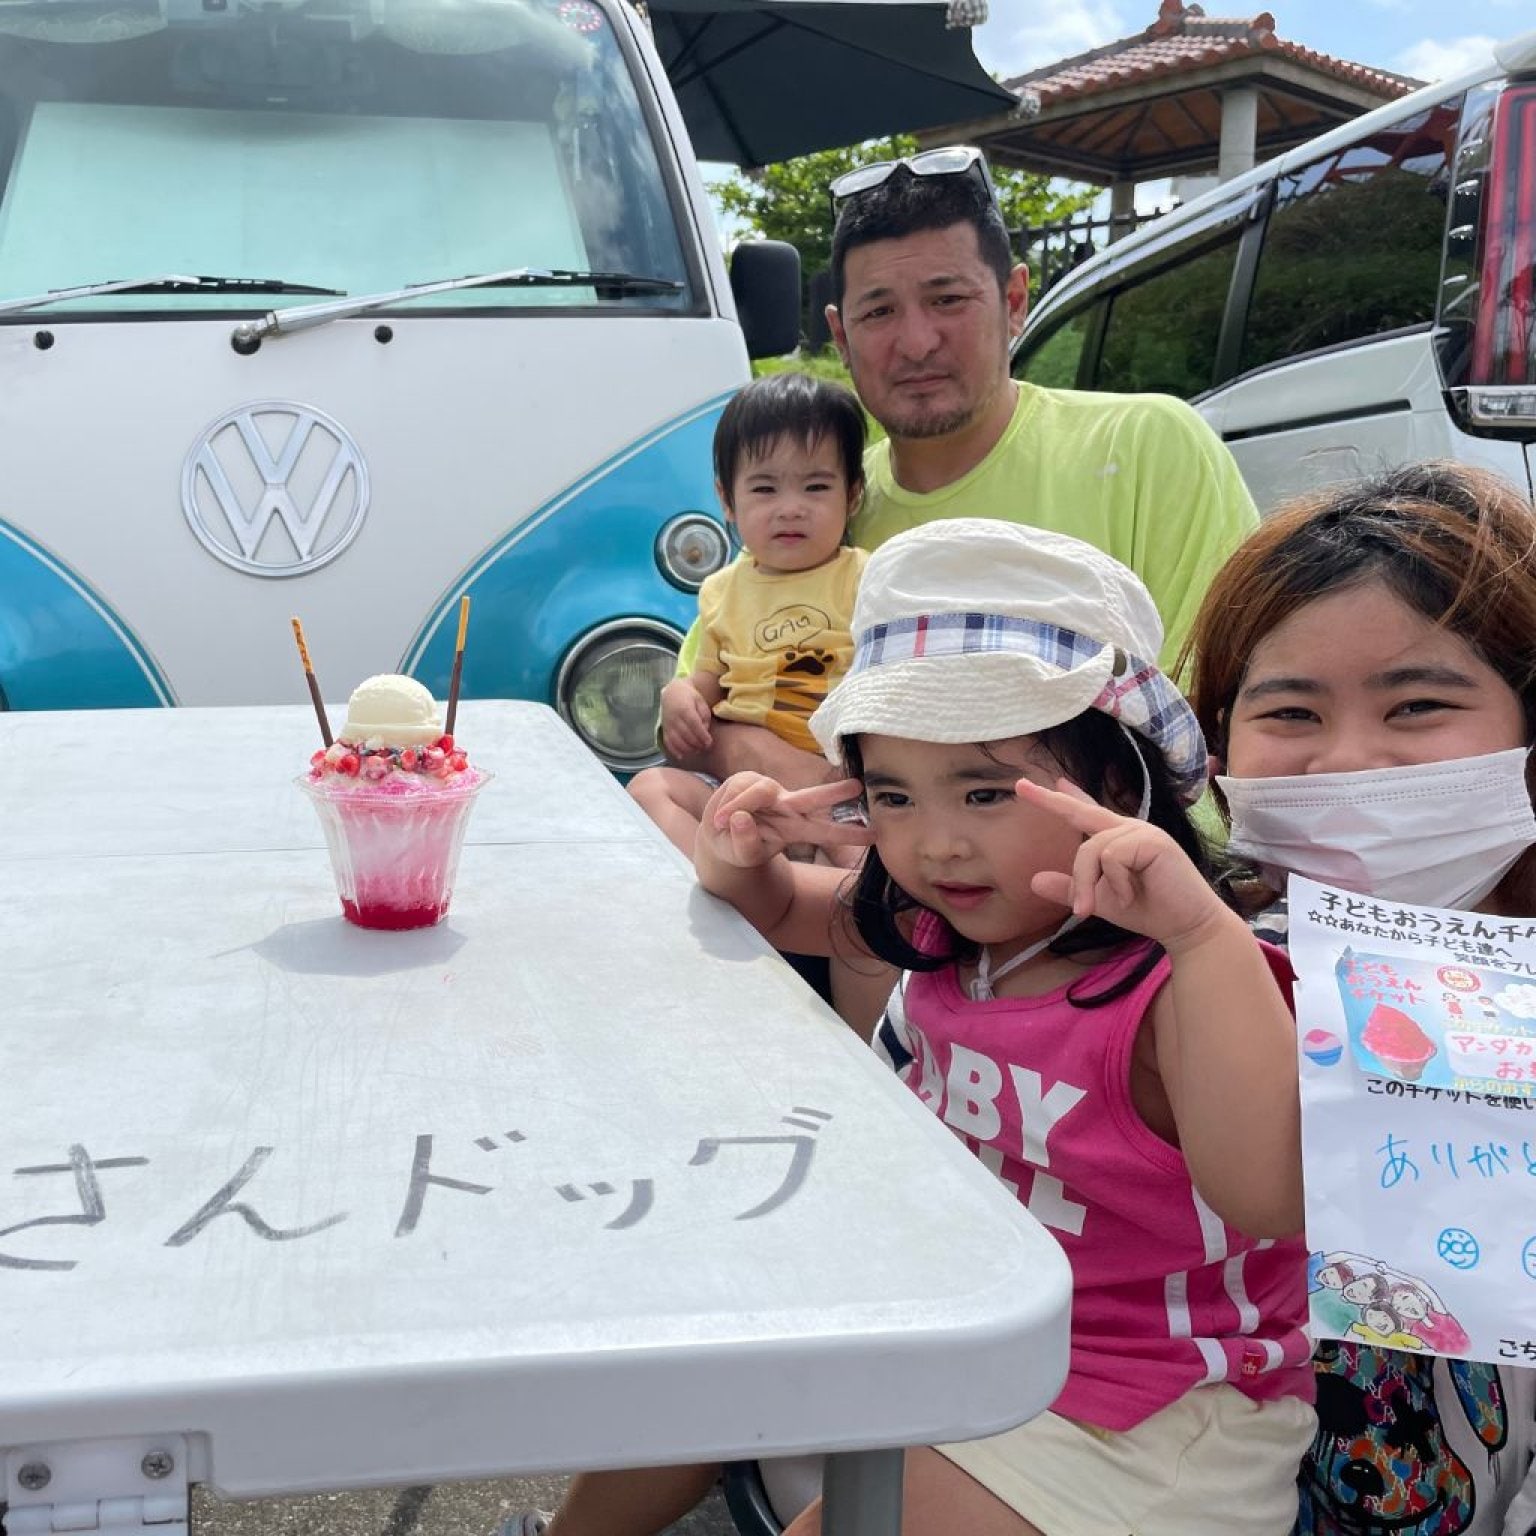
[393, 793]
[1397, 1042]
[395, 845]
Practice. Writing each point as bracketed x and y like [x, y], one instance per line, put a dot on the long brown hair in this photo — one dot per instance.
[1456, 544]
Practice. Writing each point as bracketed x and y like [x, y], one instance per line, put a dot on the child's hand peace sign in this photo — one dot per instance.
[1128, 872]
[751, 818]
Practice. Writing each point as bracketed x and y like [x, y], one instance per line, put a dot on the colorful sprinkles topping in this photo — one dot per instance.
[441, 760]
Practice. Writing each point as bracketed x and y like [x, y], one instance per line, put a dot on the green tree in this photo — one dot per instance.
[788, 201]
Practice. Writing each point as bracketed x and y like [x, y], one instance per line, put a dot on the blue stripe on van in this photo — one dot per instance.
[584, 558]
[61, 645]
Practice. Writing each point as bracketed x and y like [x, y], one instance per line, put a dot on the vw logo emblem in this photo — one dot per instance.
[275, 488]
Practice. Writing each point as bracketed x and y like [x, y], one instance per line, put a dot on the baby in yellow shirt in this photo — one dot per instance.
[774, 625]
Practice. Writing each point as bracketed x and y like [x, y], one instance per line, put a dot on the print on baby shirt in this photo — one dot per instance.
[804, 649]
[778, 642]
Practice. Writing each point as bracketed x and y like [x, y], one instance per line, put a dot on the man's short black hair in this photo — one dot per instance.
[794, 406]
[904, 204]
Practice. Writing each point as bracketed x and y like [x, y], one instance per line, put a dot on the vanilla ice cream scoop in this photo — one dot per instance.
[391, 711]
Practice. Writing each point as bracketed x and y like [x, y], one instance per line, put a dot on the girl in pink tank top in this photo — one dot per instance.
[1078, 1005]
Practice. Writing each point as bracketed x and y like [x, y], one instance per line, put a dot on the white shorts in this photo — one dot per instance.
[1215, 1463]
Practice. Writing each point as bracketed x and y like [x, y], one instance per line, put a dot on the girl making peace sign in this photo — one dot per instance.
[1079, 1005]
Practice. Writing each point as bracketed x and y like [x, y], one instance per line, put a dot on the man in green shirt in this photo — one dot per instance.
[926, 301]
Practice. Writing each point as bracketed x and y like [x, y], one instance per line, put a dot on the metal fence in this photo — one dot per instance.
[1055, 249]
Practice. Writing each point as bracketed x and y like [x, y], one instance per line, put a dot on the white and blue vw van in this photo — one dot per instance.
[342, 308]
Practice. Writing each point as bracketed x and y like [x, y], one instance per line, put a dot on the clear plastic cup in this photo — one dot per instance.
[394, 855]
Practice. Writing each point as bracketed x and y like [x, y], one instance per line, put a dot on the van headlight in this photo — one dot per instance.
[689, 548]
[609, 689]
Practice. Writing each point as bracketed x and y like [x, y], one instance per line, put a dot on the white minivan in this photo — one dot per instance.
[1362, 301]
[340, 309]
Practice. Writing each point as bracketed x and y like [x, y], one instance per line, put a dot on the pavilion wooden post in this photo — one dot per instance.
[1122, 209]
[1239, 132]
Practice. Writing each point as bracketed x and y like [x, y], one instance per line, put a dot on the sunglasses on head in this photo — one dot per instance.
[953, 160]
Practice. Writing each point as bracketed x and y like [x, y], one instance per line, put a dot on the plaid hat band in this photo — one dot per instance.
[962, 634]
[1137, 694]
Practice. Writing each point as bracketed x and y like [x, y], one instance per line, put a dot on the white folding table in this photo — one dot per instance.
[582, 1178]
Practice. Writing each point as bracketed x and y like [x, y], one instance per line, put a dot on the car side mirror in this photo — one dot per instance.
[765, 281]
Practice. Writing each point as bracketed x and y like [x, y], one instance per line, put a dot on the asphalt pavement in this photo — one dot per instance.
[448, 1509]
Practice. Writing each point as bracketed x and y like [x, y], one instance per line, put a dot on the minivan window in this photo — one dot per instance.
[357, 146]
[1162, 332]
[1054, 362]
[1352, 247]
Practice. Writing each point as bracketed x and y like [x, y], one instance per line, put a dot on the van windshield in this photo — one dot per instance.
[354, 146]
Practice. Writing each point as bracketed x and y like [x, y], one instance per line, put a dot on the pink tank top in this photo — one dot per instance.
[1165, 1295]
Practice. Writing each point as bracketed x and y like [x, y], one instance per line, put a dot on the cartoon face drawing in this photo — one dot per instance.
[1366, 1291]
[1409, 1302]
[1383, 1319]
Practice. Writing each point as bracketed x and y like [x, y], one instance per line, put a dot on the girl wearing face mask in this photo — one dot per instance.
[1365, 670]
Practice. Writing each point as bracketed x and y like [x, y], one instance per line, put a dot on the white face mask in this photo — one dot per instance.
[1431, 834]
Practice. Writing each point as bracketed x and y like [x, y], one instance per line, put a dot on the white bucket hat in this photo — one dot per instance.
[970, 629]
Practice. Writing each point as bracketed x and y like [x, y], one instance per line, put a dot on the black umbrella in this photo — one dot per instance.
[763, 80]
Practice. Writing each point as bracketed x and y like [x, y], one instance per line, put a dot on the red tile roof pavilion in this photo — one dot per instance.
[1151, 105]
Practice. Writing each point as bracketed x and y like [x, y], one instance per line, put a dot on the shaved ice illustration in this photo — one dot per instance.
[1443, 1026]
[1397, 1042]
[1322, 1046]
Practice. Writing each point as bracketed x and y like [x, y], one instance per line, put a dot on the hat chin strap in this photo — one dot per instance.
[982, 986]
[982, 982]
[1145, 808]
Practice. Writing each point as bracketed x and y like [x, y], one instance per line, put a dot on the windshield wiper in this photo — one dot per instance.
[303, 317]
[261, 285]
[171, 283]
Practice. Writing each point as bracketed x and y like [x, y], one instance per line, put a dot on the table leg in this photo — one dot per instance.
[861, 1494]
